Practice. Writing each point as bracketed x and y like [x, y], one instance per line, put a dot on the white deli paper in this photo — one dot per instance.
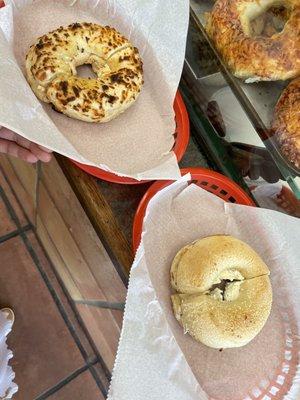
[155, 359]
[136, 144]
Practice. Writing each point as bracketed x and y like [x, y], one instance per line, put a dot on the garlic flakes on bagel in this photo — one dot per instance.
[51, 71]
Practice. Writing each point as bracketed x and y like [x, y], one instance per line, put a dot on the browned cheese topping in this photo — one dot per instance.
[257, 51]
[286, 122]
[51, 70]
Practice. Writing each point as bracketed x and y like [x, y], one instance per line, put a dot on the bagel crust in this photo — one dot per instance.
[224, 294]
[286, 122]
[255, 58]
[51, 71]
[204, 263]
[226, 324]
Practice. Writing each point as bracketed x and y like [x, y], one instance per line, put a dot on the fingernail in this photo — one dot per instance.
[46, 157]
[45, 149]
[32, 158]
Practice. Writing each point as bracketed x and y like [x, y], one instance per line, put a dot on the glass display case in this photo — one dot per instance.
[231, 118]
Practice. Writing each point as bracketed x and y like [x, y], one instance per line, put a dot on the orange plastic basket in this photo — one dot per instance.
[182, 137]
[209, 180]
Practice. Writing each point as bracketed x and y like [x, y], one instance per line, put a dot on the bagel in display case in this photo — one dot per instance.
[286, 122]
[247, 46]
[250, 52]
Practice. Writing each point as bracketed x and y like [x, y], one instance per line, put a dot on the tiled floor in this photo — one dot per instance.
[53, 357]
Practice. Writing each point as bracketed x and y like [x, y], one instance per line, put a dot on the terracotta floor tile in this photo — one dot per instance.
[104, 327]
[83, 387]
[94, 276]
[7, 225]
[12, 199]
[44, 350]
[48, 270]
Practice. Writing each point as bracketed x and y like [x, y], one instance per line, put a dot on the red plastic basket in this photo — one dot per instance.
[182, 137]
[209, 180]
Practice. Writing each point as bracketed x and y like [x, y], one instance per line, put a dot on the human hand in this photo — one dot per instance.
[15, 145]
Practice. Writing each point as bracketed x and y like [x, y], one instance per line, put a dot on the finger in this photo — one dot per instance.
[7, 134]
[23, 141]
[26, 144]
[39, 153]
[13, 149]
[45, 149]
[10, 135]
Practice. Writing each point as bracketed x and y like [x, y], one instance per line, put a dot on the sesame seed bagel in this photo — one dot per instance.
[286, 122]
[51, 71]
[223, 292]
[256, 57]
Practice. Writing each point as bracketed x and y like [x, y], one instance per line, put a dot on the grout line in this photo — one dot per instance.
[82, 255]
[44, 276]
[62, 383]
[71, 302]
[8, 236]
[37, 190]
[14, 233]
[58, 302]
[13, 190]
[102, 304]
[53, 293]
[10, 209]
[114, 259]
[54, 296]
[89, 367]
[98, 381]
[51, 289]
[74, 238]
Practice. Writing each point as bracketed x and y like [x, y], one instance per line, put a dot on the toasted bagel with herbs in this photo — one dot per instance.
[51, 71]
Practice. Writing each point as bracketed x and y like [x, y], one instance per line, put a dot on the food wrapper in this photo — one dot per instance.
[155, 359]
[136, 144]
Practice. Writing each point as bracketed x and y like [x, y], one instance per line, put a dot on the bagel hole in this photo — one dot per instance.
[270, 22]
[86, 71]
[218, 290]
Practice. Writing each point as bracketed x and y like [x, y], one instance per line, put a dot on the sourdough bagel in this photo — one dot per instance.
[51, 71]
[286, 122]
[224, 294]
[252, 57]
